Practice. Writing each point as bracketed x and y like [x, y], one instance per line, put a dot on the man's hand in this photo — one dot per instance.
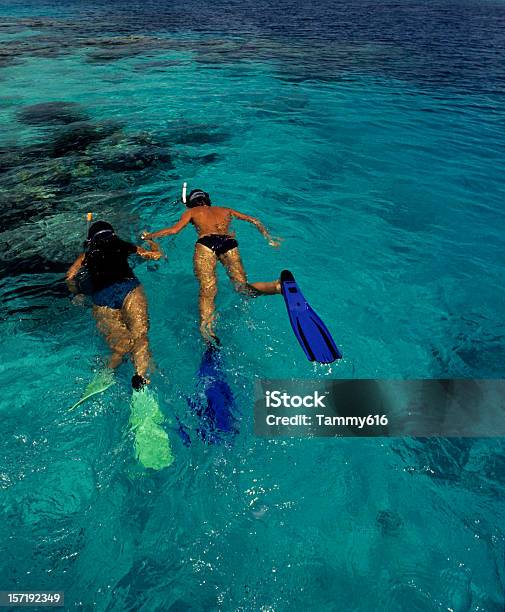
[146, 236]
[275, 242]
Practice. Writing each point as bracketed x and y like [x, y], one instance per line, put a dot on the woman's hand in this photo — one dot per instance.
[146, 236]
[79, 300]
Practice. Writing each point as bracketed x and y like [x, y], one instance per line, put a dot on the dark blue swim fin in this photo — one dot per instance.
[311, 332]
[214, 403]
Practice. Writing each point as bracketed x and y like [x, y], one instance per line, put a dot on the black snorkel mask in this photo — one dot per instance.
[99, 231]
[197, 197]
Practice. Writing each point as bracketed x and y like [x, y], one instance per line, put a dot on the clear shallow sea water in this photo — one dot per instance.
[370, 137]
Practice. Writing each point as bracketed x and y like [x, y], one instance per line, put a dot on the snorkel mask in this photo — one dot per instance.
[197, 197]
[100, 230]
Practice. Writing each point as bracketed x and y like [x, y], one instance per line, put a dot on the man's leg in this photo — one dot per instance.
[135, 316]
[111, 325]
[204, 262]
[233, 264]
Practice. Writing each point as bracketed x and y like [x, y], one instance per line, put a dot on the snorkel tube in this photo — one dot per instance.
[82, 279]
[184, 191]
[89, 218]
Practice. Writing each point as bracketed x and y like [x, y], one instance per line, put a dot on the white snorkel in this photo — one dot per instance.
[184, 190]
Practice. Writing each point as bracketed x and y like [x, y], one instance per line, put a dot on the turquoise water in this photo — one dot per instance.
[380, 166]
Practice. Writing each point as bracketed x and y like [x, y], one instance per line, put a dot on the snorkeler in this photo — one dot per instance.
[216, 243]
[119, 302]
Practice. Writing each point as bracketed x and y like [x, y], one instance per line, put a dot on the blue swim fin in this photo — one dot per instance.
[214, 403]
[311, 332]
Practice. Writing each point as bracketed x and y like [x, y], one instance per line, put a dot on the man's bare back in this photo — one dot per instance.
[211, 220]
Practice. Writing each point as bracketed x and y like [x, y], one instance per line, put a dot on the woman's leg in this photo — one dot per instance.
[110, 323]
[233, 264]
[135, 316]
[204, 262]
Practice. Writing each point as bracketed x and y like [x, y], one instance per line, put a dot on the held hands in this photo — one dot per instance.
[154, 251]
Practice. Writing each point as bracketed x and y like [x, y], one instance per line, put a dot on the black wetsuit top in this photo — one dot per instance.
[107, 262]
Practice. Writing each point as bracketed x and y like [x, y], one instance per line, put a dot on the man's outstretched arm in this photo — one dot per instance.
[170, 231]
[275, 242]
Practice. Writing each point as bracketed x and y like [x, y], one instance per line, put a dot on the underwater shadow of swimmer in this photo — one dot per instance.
[213, 403]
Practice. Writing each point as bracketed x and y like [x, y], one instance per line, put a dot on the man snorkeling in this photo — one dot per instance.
[119, 302]
[216, 243]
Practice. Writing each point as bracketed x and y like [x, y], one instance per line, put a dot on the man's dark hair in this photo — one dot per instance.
[197, 197]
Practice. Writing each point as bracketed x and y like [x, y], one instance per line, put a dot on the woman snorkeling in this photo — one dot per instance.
[119, 302]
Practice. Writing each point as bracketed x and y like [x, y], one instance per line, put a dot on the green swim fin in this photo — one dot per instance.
[98, 384]
[152, 444]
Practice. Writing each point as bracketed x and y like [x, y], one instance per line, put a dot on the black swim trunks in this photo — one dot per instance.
[219, 243]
